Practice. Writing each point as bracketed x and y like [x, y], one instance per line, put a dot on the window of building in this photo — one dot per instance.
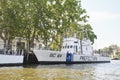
[20, 45]
[40, 46]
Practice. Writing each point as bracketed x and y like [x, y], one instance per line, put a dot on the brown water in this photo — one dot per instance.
[102, 71]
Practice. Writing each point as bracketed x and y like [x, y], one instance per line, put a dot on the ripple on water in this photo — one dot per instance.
[43, 74]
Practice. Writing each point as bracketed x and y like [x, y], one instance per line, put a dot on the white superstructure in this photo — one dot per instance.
[74, 46]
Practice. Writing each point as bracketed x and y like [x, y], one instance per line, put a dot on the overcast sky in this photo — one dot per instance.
[105, 21]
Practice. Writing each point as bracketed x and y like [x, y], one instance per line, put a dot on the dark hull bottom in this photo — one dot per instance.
[75, 62]
[11, 64]
[54, 62]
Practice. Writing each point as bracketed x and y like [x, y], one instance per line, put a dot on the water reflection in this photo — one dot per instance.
[102, 71]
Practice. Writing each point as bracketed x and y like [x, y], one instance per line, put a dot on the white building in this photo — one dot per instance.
[19, 42]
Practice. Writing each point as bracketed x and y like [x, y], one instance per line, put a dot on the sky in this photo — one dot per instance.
[105, 21]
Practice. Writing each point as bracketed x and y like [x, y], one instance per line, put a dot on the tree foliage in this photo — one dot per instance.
[49, 20]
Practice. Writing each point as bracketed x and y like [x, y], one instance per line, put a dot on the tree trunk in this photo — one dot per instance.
[32, 40]
[28, 47]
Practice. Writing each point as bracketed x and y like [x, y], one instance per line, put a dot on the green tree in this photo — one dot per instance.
[49, 20]
[88, 33]
[70, 13]
[8, 21]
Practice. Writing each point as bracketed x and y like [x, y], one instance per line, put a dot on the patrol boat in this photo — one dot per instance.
[72, 51]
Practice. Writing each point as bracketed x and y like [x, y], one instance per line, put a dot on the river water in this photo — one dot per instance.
[96, 71]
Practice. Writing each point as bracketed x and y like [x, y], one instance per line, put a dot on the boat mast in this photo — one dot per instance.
[81, 37]
[81, 46]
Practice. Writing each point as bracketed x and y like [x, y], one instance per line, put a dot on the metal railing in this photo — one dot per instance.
[11, 52]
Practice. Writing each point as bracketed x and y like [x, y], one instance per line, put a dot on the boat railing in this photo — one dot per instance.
[102, 54]
[11, 52]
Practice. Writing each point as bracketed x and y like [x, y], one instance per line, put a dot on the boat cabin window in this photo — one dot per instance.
[75, 41]
[71, 46]
[68, 47]
[64, 47]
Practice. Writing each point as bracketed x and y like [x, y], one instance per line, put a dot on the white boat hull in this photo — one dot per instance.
[11, 60]
[47, 56]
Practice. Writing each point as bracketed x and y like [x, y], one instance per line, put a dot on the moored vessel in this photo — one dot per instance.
[72, 51]
[8, 58]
